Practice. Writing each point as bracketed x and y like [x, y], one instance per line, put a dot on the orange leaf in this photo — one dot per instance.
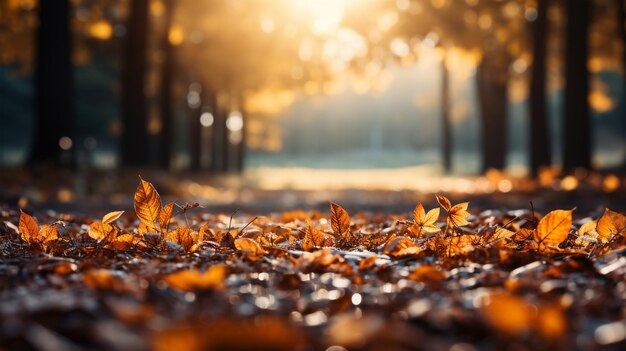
[186, 280]
[428, 274]
[588, 227]
[29, 230]
[554, 227]
[147, 203]
[425, 222]
[101, 231]
[339, 219]
[48, 233]
[181, 236]
[124, 242]
[457, 214]
[312, 239]
[166, 215]
[609, 224]
[444, 202]
[249, 248]
[508, 314]
[112, 216]
[401, 246]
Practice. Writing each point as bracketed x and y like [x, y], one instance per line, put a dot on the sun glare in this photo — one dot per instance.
[326, 15]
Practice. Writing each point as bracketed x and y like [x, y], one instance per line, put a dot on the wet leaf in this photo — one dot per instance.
[147, 203]
[554, 227]
[112, 217]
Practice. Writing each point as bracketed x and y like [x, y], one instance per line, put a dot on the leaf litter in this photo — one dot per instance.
[170, 277]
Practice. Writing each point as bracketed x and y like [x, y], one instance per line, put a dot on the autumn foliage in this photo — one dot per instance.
[426, 251]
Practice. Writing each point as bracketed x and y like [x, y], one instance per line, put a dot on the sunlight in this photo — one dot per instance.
[326, 14]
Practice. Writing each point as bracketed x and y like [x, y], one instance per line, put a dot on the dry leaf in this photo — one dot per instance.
[425, 222]
[428, 274]
[400, 246]
[186, 280]
[147, 203]
[554, 227]
[125, 242]
[181, 236]
[457, 215]
[102, 231]
[611, 223]
[444, 202]
[112, 216]
[165, 215]
[29, 230]
[339, 220]
[588, 227]
[312, 238]
[249, 248]
[47, 233]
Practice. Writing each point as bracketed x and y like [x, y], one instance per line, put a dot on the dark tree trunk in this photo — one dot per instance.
[492, 79]
[621, 6]
[225, 147]
[167, 74]
[218, 151]
[53, 82]
[134, 109]
[241, 147]
[577, 128]
[196, 130]
[445, 117]
[540, 154]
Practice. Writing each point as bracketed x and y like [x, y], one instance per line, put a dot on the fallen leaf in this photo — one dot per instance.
[428, 274]
[339, 220]
[29, 230]
[611, 223]
[425, 222]
[508, 314]
[112, 216]
[147, 203]
[181, 236]
[186, 280]
[312, 238]
[444, 202]
[554, 227]
[102, 231]
[47, 233]
[249, 248]
[165, 215]
[401, 246]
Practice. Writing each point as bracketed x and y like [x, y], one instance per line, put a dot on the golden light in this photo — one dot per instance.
[610, 183]
[101, 30]
[176, 35]
[569, 183]
[326, 15]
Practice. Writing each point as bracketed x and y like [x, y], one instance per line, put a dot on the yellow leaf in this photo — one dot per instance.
[425, 222]
[312, 238]
[112, 217]
[166, 215]
[29, 230]
[186, 280]
[147, 203]
[249, 248]
[611, 223]
[554, 227]
[339, 219]
[444, 202]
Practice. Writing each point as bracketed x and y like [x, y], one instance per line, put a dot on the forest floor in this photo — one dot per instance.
[278, 269]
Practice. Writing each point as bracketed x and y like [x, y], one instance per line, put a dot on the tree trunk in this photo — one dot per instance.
[167, 74]
[540, 154]
[445, 117]
[577, 133]
[134, 141]
[219, 153]
[621, 6]
[54, 116]
[492, 79]
[241, 147]
[196, 133]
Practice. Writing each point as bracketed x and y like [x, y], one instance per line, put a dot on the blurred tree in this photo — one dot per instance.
[134, 143]
[168, 68]
[445, 116]
[54, 122]
[577, 124]
[540, 155]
